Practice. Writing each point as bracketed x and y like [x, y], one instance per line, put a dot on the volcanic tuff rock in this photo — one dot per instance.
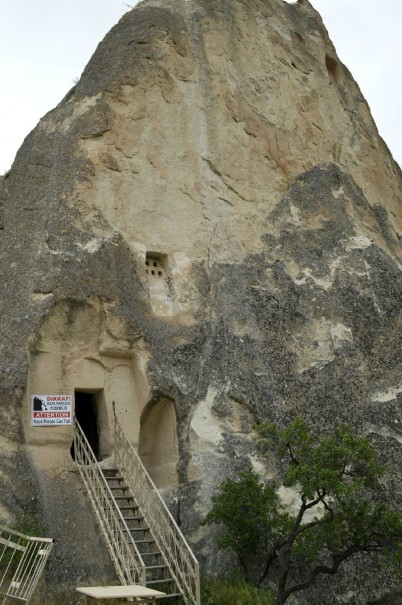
[224, 141]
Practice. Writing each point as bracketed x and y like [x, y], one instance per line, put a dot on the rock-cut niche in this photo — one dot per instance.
[160, 282]
[158, 446]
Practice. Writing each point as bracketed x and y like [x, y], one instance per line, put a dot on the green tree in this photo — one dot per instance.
[341, 511]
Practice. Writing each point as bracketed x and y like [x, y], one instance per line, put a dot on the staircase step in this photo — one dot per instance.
[141, 540]
[144, 541]
[113, 477]
[161, 581]
[151, 554]
[130, 507]
[130, 518]
[138, 529]
[122, 488]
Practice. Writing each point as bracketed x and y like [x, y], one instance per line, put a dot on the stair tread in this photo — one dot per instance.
[142, 540]
[149, 554]
[161, 581]
[145, 541]
[156, 566]
[128, 506]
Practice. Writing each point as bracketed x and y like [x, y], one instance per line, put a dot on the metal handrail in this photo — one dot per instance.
[182, 563]
[22, 561]
[127, 559]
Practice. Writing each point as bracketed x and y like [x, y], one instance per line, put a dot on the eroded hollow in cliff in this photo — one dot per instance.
[333, 69]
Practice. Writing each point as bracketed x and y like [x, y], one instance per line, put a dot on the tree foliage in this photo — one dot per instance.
[341, 511]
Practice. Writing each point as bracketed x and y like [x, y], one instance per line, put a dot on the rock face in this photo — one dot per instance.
[206, 230]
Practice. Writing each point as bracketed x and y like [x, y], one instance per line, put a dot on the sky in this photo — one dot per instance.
[45, 45]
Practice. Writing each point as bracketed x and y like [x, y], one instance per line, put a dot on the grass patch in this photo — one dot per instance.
[233, 591]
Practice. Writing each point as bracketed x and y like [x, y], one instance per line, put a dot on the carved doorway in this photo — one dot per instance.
[87, 417]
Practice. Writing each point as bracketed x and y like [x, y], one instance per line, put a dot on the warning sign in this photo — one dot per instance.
[51, 410]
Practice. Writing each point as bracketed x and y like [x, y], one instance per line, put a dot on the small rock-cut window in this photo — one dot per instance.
[154, 267]
[161, 286]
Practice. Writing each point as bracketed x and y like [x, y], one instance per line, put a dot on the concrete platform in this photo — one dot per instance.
[109, 595]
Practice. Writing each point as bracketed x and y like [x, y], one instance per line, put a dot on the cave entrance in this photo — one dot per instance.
[87, 417]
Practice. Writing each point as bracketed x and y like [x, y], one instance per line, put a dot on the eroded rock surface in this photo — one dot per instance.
[226, 142]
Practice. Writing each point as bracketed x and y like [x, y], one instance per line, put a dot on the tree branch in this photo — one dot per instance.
[292, 457]
[316, 523]
[325, 569]
[270, 560]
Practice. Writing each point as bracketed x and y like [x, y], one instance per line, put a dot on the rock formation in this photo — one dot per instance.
[206, 230]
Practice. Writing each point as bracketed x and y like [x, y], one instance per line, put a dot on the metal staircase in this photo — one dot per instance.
[144, 541]
[157, 571]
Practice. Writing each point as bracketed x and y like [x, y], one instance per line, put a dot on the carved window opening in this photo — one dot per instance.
[161, 285]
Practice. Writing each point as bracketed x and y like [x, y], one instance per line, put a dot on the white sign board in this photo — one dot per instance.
[51, 410]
